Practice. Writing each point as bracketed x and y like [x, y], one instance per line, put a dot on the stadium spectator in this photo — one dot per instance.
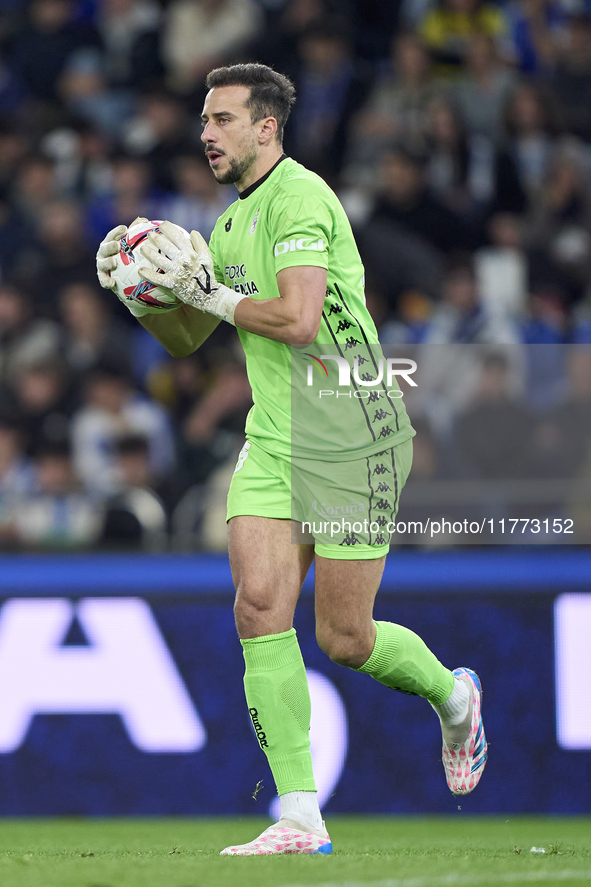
[536, 29]
[136, 473]
[13, 234]
[333, 86]
[571, 80]
[449, 376]
[558, 225]
[546, 322]
[411, 321]
[405, 201]
[502, 267]
[182, 383]
[493, 433]
[86, 93]
[461, 167]
[133, 456]
[482, 91]
[447, 29]
[61, 256]
[201, 36]
[463, 318]
[286, 22]
[433, 461]
[134, 515]
[56, 513]
[14, 145]
[405, 235]
[130, 197]
[12, 89]
[160, 133]
[24, 338]
[90, 336]
[197, 201]
[45, 398]
[16, 476]
[396, 109]
[211, 430]
[86, 173]
[34, 187]
[129, 35]
[531, 124]
[110, 410]
[562, 442]
[39, 52]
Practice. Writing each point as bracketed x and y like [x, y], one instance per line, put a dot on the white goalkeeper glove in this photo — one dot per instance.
[106, 261]
[106, 257]
[187, 267]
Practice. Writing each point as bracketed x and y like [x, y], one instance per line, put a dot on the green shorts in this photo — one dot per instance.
[346, 509]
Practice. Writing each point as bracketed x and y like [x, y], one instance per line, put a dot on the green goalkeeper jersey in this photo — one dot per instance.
[291, 217]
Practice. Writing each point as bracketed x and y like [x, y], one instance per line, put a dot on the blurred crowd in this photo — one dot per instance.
[457, 133]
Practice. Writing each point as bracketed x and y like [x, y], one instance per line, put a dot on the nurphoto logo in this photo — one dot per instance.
[394, 366]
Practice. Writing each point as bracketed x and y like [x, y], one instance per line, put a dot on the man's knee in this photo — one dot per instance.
[258, 613]
[250, 605]
[351, 649]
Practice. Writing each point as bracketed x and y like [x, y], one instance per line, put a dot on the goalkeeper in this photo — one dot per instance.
[282, 266]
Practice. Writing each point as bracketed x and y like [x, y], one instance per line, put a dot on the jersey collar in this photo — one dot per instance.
[248, 191]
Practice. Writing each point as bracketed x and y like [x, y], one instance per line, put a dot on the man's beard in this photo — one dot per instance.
[236, 169]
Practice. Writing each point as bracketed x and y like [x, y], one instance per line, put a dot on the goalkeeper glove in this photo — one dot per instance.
[106, 261]
[185, 266]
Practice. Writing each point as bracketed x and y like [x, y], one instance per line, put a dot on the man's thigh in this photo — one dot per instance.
[345, 595]
[268, 572]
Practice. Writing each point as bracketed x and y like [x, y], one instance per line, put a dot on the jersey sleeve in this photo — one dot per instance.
[302, 225]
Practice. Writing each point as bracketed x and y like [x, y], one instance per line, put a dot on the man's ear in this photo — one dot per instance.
[268, 129]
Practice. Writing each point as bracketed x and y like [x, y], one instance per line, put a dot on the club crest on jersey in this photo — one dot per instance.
[253, 224]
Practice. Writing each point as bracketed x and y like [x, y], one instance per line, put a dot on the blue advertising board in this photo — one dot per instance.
[121, 688]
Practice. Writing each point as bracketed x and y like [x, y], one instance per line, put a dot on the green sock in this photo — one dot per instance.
[278, 700]
[402, 661]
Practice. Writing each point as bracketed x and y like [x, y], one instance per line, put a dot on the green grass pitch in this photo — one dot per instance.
[381, 851]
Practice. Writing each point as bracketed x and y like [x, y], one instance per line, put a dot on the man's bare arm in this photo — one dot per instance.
[181, 331]
[295, 317]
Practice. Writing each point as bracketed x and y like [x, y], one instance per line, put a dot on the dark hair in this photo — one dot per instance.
[271, 94]
[132, 444]
[52, 449]
[580, 20]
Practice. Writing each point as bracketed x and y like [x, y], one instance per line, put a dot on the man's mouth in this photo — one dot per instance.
[214, 157]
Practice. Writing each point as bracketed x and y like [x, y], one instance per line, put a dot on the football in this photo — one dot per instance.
[129, 283]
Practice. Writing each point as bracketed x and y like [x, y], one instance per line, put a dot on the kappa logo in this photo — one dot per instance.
[301, 243]
[228, 225]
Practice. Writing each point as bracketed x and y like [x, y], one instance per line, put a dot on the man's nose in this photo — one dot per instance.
[207, 134]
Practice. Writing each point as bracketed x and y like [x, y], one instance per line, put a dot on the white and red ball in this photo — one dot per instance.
[129, 283]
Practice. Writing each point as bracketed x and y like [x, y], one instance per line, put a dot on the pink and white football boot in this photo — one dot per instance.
[285, 836]
[464, 761]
